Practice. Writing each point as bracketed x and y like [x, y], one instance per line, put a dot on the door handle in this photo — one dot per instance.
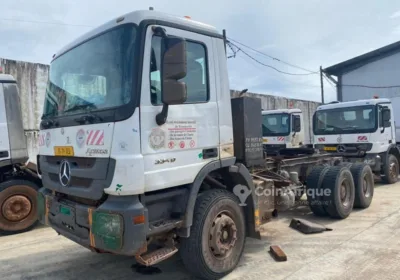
[210, 153]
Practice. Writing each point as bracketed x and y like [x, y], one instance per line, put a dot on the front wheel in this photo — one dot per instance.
[391, 170]
[217, 236]
[18, 207]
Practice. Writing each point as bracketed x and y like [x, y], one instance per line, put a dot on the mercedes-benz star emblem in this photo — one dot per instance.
[65, 173]
[341, 149]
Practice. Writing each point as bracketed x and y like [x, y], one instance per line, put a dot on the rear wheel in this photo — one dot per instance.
[18, 206]
[364, 185]
[338, 186]
[345, 164]
[391, 170]
[314, 191]
[217, 236]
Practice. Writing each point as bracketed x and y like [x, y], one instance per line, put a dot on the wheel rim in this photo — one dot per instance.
[393, 172]
[366, 187]
[345, 193]
[222, 236]
[16, 208]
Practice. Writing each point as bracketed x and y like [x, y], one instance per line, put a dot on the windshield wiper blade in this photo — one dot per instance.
[89, 117]
[79, 107]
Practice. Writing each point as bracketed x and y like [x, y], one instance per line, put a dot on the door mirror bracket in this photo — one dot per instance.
[173, 69]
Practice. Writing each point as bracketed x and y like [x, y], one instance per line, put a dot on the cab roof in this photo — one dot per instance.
[5, 78]
[353, 103]
[138, 17]
[280, 111]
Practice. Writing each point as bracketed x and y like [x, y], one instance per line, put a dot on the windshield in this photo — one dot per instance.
[276, 125]
[94, 75]
[360, 119]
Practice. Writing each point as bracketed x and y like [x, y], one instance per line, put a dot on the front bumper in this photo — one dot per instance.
[80, 223]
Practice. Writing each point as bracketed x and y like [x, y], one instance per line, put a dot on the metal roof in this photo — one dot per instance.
[361, 60]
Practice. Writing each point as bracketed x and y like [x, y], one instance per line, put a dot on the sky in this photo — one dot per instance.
[308, 34]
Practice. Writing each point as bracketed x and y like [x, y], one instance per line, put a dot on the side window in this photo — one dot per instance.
[196, 78]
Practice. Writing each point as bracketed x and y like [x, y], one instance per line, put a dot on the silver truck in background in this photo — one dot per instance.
[18, 180]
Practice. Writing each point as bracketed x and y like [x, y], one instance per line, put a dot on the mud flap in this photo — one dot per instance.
[307, 227]
[264, 201]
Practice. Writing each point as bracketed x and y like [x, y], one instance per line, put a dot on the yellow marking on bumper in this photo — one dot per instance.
[91, 236]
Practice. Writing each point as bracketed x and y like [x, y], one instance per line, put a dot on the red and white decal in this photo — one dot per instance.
[362, 139]
[321, 139]
[42, 139]
[95, 138]
[281, 138]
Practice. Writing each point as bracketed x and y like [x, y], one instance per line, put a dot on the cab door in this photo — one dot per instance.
[175, 152]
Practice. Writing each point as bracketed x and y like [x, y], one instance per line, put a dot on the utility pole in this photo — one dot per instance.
[322, 85]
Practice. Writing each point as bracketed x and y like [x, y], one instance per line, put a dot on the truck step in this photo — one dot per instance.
[163, 226]
[156, 256]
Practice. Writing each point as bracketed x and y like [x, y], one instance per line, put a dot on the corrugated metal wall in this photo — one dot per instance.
[270, 102]
[32, 79]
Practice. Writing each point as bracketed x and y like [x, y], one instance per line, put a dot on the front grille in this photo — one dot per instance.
[88, 176]
[78, 162]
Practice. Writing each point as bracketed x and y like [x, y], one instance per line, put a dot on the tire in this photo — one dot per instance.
[345, 164]
[364, 185]
[314, 183]
[18, 206]
[198, 251]
[391, 170]
[336, 178]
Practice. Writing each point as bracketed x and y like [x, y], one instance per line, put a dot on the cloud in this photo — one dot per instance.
[306, 33]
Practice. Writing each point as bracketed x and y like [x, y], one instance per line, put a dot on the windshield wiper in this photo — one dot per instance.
[79, 107]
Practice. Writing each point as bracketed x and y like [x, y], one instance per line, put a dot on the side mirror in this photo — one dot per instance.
[386, 117]
[385, 114]
[296, 124]
[173, 69]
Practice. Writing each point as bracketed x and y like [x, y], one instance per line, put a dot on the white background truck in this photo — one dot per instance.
[362, 130]
[144, 146]
[282, 129]
[18, 180]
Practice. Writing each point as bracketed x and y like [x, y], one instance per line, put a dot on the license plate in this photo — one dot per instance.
[65, 210]
[330, 148]
[64, 151]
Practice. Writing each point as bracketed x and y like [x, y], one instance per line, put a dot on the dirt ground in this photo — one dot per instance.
[364, 246]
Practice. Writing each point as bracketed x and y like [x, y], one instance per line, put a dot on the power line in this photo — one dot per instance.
[269, 66]
[377, 87]
[329, 81]
[45, 22]
[274, 58]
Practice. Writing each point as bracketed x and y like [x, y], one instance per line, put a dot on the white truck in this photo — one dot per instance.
[282, 129]
[18, 180]
[144, 146]
[361, 130]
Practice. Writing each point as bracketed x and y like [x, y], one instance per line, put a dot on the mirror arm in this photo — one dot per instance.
[161, 118]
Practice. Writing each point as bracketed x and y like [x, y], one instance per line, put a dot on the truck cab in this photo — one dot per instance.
[18, 182]
[282, 129]
[139, 145]
[361, 130]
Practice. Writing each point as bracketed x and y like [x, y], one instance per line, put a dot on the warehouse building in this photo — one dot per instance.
[376, 73]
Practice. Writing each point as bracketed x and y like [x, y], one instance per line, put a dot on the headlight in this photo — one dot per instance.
[108, 228]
